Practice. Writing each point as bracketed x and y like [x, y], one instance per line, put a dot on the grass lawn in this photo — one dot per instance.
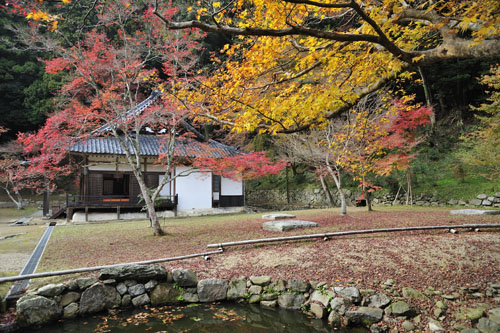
[430, 258]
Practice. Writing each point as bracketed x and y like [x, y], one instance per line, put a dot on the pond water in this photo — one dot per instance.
[220, 318]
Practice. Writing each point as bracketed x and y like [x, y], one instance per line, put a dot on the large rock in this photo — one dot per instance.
[51, 290]
[482, 196]
[435, 326]
[473, 314]
[97, 298]
[475, 202]
[260, 280]
[298, 286]
[35, 310]
[290, 301]
[379, 301]
[365, 316]
[185, 277]
[287, 225]
[165, 293]
[236, 288]
[211, 290]
[350, 293]
[134, 272]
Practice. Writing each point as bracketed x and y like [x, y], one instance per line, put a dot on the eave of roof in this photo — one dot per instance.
[153, 145]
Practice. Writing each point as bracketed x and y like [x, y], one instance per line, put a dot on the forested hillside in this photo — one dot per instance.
[255, 91]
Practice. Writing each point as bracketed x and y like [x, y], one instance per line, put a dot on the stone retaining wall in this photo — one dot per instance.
[317, 197]
[390, 307]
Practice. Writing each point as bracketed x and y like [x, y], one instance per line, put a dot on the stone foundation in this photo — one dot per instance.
[138, 286]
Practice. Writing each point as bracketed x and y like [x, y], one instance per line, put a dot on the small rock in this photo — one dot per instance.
[51, 290]
[473, 314]
[84, 283]
[318, 310]
[69, 297]
[482, 196]
[435, 326]
[129, 283]
[408, 325]
[413, 293]
[298, 286]
[165, 293]
[151, 285]
[255, 290]
[401, 308]
[488, 326]
[190, 298]
[290, 301]
[109, 282]
[389, 282]
[269, 297]
[365, 315]
[350, 293]
[478, 295]
[254, 299]
[70, 311]
[121, 288]
[278, 285]
[185, 277]
[449, 297]
[379, 301]
[211, 290]
[438, 312]
[322, 297]
[269, 304]
[260, 280]
[469, 330]
[334, 320]
[236, 288]
[140, 300]
[340, 305]
[441, 305]
[136, 290]
[126, 300]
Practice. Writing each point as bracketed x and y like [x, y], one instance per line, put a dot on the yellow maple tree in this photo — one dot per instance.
[298, 63]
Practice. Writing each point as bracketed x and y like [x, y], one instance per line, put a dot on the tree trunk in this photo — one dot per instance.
[18, 202]
[428, 95]
[336, 179]
[150, 207]
[327, 191]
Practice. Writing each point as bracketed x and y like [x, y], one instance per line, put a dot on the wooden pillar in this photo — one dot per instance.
[117, 212]
[69, 213]
[86, 213]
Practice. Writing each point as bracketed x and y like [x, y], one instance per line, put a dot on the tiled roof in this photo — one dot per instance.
[134, 111]
[152, 145]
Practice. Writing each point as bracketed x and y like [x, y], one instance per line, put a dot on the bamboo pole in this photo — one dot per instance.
[354, 232]
[96, 268]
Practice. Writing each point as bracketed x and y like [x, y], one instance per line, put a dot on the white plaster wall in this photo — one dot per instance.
[231, 187]
[195, 190]
[165, 191]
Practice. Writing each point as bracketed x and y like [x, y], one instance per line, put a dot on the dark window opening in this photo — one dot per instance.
[115, 184]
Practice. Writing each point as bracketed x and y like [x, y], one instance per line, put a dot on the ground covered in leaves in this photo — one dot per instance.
[420, 259]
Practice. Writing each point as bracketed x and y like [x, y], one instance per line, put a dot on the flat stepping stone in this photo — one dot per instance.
[474, 212]
[278, 216]
[287, 225]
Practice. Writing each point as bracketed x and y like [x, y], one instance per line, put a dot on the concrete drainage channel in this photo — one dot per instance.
[21, 286]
